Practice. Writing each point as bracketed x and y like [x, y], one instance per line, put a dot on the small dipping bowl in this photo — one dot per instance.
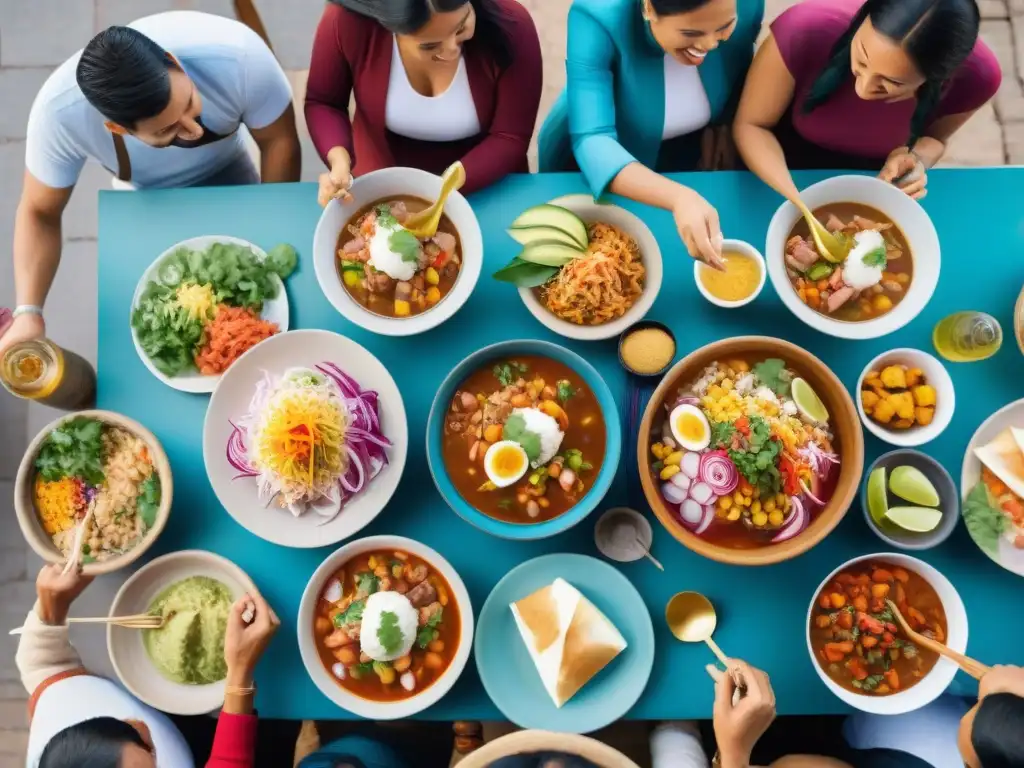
[744, 249]
[626, 349]
[623, 535]
[949, 500]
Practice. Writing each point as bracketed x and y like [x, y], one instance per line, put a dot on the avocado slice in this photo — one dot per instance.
[557, 217]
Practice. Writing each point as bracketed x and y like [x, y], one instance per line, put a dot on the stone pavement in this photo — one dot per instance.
[37, 35]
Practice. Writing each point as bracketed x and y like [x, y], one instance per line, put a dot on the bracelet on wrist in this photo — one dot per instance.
[27, 309]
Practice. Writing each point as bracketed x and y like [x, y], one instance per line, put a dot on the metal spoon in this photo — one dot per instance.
[692, 619]
[424, 224]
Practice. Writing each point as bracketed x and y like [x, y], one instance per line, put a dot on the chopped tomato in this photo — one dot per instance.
[441, 260]
[790, 477]
[742, 425]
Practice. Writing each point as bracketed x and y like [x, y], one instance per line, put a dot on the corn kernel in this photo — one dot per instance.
[775, 518]
[431, 276]
[760, 519]
[737, 497]
[433, 294]
[351, 278]
[675, 458]
[402, 308]
[748, 490]
[746, 501]
[755, 508]
[727, 385]
[769, 506]
[725, 502]
[715, 391]
[734, 514]
[668, 472]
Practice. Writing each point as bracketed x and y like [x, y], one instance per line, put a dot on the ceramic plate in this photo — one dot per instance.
[592, 212]
[509, 675]
[274, 310]
[1004, 553]
[231, 400]
[127, 652]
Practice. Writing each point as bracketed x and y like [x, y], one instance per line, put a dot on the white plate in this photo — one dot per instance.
[591, 212]
[932, 685]
[274, 310]
[231, 400]
[127, 652]
[905, 212]
[935, 374]
[385, 184]
[382, 710]
[1012, 415]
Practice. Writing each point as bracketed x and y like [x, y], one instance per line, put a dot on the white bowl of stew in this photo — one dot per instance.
[402, 575]
[910, 272]
[874, 669]
[347, 245]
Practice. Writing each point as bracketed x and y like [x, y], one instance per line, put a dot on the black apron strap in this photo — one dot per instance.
[124, 163]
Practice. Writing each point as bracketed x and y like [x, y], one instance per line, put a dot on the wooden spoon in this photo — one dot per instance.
[424, 224]
[973, 668]
[138, 621]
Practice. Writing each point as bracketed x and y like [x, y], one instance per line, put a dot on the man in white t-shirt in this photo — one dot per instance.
[159, 104]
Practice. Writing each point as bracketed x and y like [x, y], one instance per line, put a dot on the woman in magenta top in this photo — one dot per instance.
[876, 85]
[434, 81]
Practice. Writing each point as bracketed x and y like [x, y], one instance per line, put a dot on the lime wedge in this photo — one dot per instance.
[808, 402]
[910, 483]
[915, 519]
[878, 502]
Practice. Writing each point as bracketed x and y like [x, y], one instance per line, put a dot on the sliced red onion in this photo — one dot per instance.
[810, 495]
[681, 480]
[799, 519]
[705, 522]
[718, 471]
[685, 400]
[701, 493]
[673, 493]
[691, 465]
[691, 513]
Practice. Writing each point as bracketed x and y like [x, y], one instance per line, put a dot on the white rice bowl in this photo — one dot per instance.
[408, 619]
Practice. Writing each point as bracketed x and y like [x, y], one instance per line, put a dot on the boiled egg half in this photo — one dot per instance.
[690, 427]
[505, 462]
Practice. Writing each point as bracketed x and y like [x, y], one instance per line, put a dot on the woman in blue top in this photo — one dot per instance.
[645, 78]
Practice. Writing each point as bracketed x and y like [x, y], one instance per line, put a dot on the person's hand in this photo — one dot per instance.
[905, 169]
[717, 149]
[21, 328]
[740, 722]
[1002, 679]
[336, 181]
[57, 590]
[244, 642]
[697, 222]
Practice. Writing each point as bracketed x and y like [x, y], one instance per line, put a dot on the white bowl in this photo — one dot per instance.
[127, 652]
[381, 185]
[747, 250]
[274, 310]
[231, 400]
[382, 710]
[932, 685]
[591, 212]
[905, 212]
[935, 374]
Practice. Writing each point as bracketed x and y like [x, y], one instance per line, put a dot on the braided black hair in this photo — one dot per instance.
[938, 36]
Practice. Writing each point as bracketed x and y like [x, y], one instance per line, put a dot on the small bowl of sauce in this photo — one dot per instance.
[742, 280]
[647, 348]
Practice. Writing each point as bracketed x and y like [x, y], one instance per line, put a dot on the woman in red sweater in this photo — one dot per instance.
[435, 81]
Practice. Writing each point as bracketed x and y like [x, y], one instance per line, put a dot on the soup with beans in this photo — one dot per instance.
[855, 636]
[387, 269]
[524, 439]
[872, 279]
[386, 625]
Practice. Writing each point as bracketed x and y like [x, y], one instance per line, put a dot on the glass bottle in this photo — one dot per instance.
[41, 371]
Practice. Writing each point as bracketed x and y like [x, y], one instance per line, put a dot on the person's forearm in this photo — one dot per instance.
[638, 182]
[929, 150]
[763, 155]
[37, 246]
[281, 161]
[44, 649]
[237, 699]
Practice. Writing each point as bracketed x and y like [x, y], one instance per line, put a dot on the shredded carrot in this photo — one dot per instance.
[232, 332]
[601, 284]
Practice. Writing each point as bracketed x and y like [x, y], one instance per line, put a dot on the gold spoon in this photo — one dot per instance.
[973, 668]
[692, 619]
[826, 243]
[424, 224]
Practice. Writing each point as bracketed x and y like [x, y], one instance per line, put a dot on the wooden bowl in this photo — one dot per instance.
[1018, 321]
[25, 508]
[845, 425]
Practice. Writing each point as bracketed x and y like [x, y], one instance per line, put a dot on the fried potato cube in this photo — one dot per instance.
[924, 395]
[924, 416]
[915, 376]
[869, 399]
[904, 403]
[884, 411]
[894, 377]
[872, 379]
[902, 424]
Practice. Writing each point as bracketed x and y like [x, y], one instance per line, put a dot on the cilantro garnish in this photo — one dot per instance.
[875, 258]
[73, 450]
[565, 390]
[149, 500]
[366, 583]
[721, 434]
[385, 217]
[772, 373]
[515, 429]
[507, 373]
[350, 615]
[429, 631]
[389, 633]
[404, 243]
[756, 461]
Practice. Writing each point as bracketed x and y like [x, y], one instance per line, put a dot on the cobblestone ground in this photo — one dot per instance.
[37, 36]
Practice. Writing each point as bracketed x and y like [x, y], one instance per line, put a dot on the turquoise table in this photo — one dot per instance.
[761, 611]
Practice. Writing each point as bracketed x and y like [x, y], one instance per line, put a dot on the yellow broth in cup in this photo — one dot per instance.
[740, 279]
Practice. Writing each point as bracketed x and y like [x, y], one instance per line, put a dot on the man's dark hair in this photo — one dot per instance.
[96, 743]
[997, 734]
[125, 75]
